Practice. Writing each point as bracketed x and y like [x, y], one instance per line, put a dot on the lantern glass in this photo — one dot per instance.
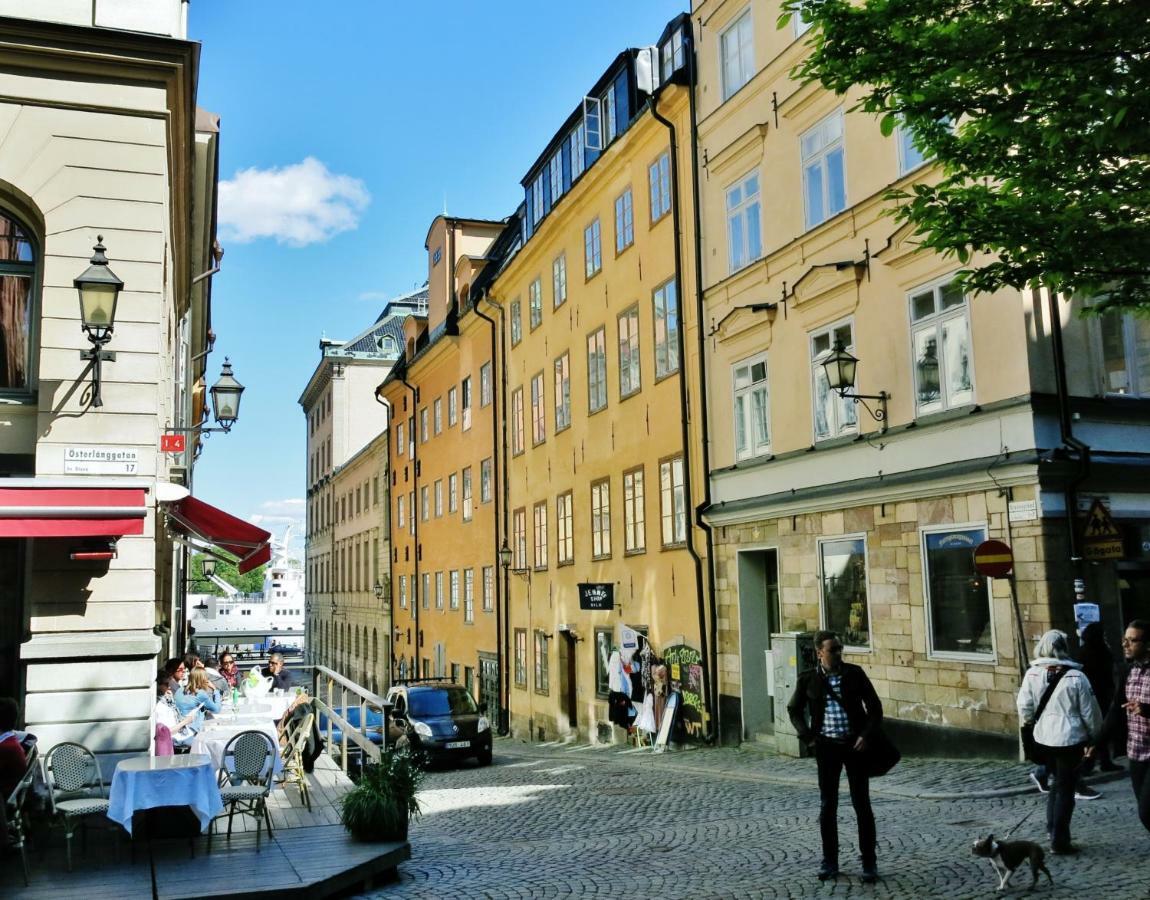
[840, 368]
[208, 567]
[505, 556]
[98, 305]
[226, 395]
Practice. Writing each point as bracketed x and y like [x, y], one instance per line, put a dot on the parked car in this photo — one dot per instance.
[439, 719]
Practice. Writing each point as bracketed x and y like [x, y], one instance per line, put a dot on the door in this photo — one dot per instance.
[11, 615]
[489, 686]
[758, 573]
[567, 685]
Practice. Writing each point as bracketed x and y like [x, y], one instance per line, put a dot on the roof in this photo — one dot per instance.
[390, 322]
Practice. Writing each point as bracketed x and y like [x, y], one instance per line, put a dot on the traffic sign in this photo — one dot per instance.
[1101, 538]
[994, 559]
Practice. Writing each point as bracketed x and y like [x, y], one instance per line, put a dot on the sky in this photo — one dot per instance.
[342, 137]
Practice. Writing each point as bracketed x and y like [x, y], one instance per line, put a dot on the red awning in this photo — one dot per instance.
[58, 512]
[201, 520]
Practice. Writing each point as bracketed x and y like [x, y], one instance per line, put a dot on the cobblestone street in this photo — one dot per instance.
[550, 820]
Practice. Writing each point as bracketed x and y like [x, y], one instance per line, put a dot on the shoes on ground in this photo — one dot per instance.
[828, 870]
[1064, 850]
[1086, 792]
[1039, 783]
[869, 873]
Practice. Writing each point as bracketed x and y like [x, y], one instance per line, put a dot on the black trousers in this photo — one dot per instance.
[1140, 779]
[832, 757]
[1064, 765]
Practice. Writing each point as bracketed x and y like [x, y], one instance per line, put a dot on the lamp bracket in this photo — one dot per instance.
[105, 355]
[878, 413]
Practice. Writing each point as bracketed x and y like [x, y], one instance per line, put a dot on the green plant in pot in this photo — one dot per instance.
[379, 806]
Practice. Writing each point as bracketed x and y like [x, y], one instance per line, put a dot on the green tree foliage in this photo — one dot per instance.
[249, 583]
[1038, 114]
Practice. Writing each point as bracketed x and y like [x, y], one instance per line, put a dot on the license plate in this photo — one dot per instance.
[457, 745]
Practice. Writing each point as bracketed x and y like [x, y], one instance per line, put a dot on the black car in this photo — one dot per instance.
[439, 719]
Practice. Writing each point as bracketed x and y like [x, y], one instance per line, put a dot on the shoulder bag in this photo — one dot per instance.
[880, 755]
[1031, 749]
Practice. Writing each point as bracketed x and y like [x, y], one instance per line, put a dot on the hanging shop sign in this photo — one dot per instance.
[596, 596]
[1101, 538]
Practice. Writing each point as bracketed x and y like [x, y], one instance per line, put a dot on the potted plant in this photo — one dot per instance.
[379, 806]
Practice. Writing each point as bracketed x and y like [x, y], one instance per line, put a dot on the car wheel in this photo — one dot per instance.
[484, 757]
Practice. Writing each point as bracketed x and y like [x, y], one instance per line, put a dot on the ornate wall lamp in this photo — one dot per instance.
[226, 394]
[99, 289]
[840, 368]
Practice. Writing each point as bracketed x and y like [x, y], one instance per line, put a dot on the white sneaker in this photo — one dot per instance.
[1038, 783]
[1085, 792]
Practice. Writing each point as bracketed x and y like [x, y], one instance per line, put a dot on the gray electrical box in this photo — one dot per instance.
[792, 652]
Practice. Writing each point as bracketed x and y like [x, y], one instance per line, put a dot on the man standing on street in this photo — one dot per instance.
[836, 709]
[1131, 707]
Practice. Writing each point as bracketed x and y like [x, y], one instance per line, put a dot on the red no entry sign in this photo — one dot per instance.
[993, 559]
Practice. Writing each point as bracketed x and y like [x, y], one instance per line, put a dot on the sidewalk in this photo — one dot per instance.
[920, 778]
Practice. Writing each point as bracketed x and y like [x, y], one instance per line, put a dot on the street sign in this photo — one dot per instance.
[101, 460]
[993, 559]
[1101, 538]
[172, 443]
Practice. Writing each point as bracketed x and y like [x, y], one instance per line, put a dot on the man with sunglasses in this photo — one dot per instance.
[1131, 707]
[835, 709]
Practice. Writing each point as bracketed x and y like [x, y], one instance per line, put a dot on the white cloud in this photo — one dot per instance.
[297, 205]
[375, 295]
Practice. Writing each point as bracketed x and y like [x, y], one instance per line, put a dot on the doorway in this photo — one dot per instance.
[489, 686]
[758, 579]
[11, 615]
[567, 684]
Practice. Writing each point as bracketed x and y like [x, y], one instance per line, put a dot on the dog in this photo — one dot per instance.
[1008, 856]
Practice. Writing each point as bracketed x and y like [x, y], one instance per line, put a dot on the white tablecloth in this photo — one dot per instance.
[145, 782]
[216, 734]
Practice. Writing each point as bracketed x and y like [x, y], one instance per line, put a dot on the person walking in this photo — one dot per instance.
[835, 709]
[1070, 720]
[1131, 707]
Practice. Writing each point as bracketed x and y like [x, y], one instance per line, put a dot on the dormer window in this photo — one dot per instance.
[673, 54]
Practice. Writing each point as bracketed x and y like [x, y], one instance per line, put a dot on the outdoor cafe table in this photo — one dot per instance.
[214, 738]
[146, 782]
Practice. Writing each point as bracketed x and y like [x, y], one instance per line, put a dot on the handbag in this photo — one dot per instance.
[880, 755]
[1031, 749]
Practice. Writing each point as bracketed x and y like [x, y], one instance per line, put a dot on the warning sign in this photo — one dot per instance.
[1101, 538]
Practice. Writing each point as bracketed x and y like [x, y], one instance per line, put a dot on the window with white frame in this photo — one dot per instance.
[517, 421]
[452, 406]
[537, 209]
[833, 415]
[824, 169]
[539, 523]
[597, 370]
[521, 657]
[555, 177]
[424, 425]
[744, 222]
[425, 592]
[940, 341]
[800, 23]
[425, 503]
[672, 501]
[578, 156]
[486, 468]
[629, 381]
[403, 591]
[559, 279]
[438, 407]
[400, 444]
[659, 185]
[607, 105]
[624, 221]
[488, 588]
[538, 411]
[466, 402]
[468, 595]
[562, 392]
[453, 589]
[535, 303]
[592, 250]
[411, 436]
[519, 538]
[909, 156]
[1125, 343]
[958, 597]
[674, 56]
[542, 670]
[600, 519]
[666, 309]
[564, 529]
[467, 507]
[411, 509]
[485, 384]
[737, 54]
[751, 395]
[439, 590]
[843, 576]
[400, 512]
[452, 492]
[438, 497]
[516, 318]
[634, 514]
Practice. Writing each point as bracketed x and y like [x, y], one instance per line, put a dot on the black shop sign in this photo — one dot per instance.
[597, 596]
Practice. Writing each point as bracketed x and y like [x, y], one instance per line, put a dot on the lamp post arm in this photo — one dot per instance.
[879, 412]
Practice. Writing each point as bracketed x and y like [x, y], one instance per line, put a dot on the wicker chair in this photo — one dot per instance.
[246, 780]
[14, 814]
[293, 772]
[75, 787]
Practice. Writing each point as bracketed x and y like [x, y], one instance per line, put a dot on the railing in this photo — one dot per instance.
[327, 683]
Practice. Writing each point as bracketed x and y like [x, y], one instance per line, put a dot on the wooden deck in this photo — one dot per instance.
[310, 855]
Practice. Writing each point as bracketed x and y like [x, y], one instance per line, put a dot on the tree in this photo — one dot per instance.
[249, 583]
[1038, 116]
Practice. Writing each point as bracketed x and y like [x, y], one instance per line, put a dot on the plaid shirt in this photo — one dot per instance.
[835, 722]
[1138, 727]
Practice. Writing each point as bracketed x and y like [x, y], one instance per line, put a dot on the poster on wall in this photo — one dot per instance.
[685, 669]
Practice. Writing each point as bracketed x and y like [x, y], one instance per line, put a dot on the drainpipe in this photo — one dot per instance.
[500, 659]
[414, 520]
[384, 402]
[683, 410]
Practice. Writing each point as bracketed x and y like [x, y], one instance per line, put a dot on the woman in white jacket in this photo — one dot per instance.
[1070, 721]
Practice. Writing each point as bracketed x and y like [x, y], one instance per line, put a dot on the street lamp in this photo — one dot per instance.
[226, 394]
[505, 556]
[840, 368]
[378, 590]
[207, 570]
[99, 289]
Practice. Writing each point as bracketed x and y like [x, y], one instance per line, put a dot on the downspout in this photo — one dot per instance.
[683, 411]
[416, 587]
[500, 660]
[384, 402]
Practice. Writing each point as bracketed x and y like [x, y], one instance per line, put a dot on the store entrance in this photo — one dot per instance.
[11, 614]
[758, 572]
[567, 688]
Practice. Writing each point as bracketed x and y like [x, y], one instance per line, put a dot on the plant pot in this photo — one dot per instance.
[383, 829]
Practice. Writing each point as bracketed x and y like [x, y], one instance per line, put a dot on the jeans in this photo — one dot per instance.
[832, 757]
[1140, 780]
[1063, 768]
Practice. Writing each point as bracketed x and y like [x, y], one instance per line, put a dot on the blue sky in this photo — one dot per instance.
[341, 138]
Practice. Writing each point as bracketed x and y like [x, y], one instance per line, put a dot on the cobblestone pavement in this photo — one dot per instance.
[551, 821]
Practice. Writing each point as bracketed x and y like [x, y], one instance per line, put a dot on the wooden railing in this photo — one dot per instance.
[328, 685]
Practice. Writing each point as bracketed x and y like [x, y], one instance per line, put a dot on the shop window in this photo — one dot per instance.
[843, 572]
[958, 598]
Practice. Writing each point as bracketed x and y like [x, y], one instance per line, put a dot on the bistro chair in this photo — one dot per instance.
[75, 788]
[14, 813]
[294, 772]
[246, 780]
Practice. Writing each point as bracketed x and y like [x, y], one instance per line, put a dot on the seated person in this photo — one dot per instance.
[198, 696]
[229, 671]
[166, 714]
[176, 668]
[281, 677]
[13, 762]
[218, 681]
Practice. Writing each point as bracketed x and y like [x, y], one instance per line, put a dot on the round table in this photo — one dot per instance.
[216, 734]
[146, 782]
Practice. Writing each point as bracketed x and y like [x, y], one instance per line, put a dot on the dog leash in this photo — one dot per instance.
[1020, 823]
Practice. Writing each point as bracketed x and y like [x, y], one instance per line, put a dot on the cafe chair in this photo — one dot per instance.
[14, 814]
[75, 788]
[245, 780]
[293, 772]
[164, 745]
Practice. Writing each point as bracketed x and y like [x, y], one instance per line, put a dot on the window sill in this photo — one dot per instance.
[561, 429]
[669, 374]
[588, 278]
[620, 252]
[633, 393]
[985, 659]
[665, 214]
[678, 545]
[561, 565]
[638, 552]
[600, 557]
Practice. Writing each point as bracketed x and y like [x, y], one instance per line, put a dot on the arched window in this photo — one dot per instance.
[17, 316]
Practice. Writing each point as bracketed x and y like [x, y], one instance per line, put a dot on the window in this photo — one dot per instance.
[17, 306]
[466, 403]
[597, 370]
[452, 492]
[537, 199]
[744, 222]
[940, 340]
[517, 421]
[842, 570]
[425, 503]
[538, 412]
[425, 593]
[516, 322]
[604, 640]
[535, 303]
[467, 494]
[555, 177]
[672, 501]
[634, 516]
[752, 412]
[624, 221]
[402, 592]
[453, 583]
[833, 415]
[521, 657]
[607, 105]
[468, 595]
[600, 519]
[519, 539]
[411, 435]
[539, 520]
[438, 407]
[424, 425]
[485, 472]
[485, 384]
[400, 517]
[562, 392]
[411, 508]
[958, 597]
[559, 279]
[400, 444]
[439, 590]
[737, 54]
[452, 412]
[564, 530]
[824, 170]
[659, 183]
[1125, 353]
[488, 588]
[666, 303]
[629, 352]
[592, 249]
[909, 156]
[801, 24]
[577, 152]
[438, 497]
[542, 677]
[673, 54]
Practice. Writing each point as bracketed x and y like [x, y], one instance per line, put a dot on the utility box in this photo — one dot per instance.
[792, 652]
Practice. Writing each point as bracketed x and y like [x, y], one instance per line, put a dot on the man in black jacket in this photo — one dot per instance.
[835, 709]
